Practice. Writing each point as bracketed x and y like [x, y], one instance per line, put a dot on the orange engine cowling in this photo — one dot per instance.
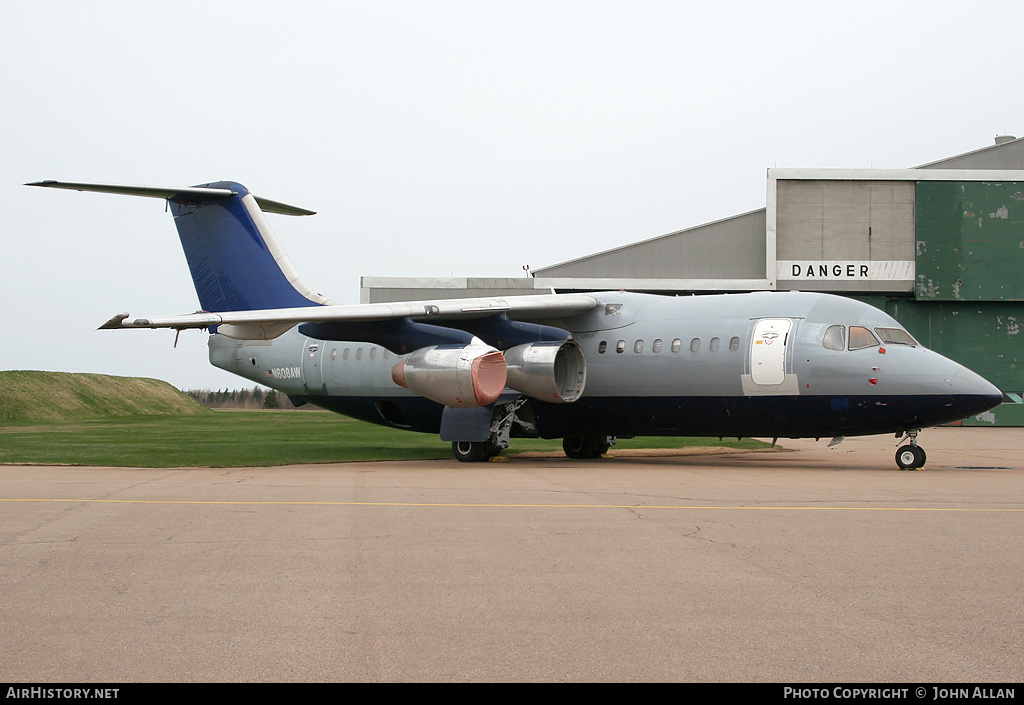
[463, 376]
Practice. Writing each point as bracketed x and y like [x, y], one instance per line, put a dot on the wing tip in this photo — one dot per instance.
[114, 323]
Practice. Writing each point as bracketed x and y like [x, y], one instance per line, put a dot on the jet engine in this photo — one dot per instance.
[463, 376]
[550, 371]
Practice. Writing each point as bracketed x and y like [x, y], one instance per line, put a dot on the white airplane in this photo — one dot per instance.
[587, 368]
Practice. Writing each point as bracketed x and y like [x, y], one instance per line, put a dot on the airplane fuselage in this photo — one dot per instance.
[723, 365]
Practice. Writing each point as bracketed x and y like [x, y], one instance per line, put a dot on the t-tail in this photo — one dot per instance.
[236, 261]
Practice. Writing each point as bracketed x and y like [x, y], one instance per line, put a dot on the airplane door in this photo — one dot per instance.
[312, 372]
[768, 351]
[240, 358]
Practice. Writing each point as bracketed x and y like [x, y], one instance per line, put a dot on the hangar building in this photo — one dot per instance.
[939, 247]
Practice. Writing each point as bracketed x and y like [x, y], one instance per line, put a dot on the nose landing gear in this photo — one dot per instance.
[911, 456]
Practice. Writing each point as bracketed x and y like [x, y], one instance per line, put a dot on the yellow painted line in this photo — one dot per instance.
[512, 506]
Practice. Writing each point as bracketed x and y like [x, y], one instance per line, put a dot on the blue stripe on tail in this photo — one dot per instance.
[232, 261]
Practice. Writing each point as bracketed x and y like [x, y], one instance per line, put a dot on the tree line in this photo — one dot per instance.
[255, 398]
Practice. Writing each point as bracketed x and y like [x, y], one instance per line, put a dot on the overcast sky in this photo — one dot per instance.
[442, 138]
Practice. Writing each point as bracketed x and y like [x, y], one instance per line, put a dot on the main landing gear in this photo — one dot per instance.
[502, 418]
[473, 451]
[584, 446]
[911, 456]
[580, 446]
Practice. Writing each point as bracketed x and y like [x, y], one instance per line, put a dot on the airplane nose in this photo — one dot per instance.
[973, 394]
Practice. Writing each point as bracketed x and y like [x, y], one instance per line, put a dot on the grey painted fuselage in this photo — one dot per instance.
[738, 364]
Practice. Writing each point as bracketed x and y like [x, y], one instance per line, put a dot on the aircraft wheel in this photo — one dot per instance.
[583, 447]
[910, 457]
[472, 451]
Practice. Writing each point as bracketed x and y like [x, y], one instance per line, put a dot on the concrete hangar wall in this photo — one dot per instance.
[939, 247]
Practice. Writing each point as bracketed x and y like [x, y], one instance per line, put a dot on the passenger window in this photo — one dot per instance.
[734, 344]
[334, 354]
[677, 344]
[344, 355]
[656, 345]
[861, 338]
[638, 346]
[835, 338]
[695, 345]
[620, 346]
[359, 353]
[713, 345]
[602, 347]
[373, 353]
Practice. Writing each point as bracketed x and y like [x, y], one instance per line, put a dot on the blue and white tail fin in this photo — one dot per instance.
[236, 261]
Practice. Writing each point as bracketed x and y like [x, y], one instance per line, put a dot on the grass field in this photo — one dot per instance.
[249, 438]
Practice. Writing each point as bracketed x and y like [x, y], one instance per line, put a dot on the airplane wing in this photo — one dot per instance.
[271, 323]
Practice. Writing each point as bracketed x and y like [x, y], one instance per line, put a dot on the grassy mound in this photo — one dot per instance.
[30, 396]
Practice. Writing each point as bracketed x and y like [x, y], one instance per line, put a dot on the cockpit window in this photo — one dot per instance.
[861, 338]
[895, 336]
[835, 338]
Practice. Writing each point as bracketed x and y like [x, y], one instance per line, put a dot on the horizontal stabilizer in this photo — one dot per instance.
[193, 194]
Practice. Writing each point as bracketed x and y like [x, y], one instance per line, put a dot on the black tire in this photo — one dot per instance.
[910, 457]
[580, 447]
[472, 451]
